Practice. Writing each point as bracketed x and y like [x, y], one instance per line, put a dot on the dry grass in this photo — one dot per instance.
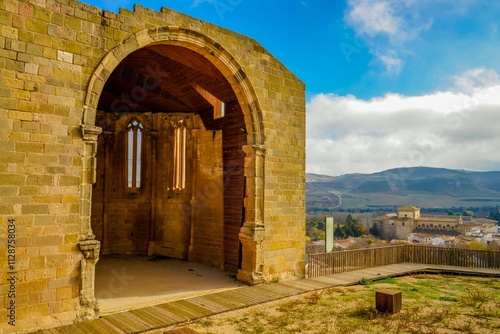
[431, 304]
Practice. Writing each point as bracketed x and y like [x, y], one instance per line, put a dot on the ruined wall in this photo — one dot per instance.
[50, 51]
[157, 218]
[208, 214]
[121, 216]
[284, 185]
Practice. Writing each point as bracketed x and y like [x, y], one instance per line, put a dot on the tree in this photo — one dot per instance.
[339, 232]
[477, 245]
[350, 228]
[495, 215]
[350, 219]
[311, 230]
[468, 213]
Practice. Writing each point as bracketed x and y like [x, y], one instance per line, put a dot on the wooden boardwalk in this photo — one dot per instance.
[182, 311]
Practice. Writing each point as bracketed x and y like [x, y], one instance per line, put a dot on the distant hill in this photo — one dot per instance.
[420, 186]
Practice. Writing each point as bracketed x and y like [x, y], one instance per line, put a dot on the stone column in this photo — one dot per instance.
[252, 232]
[108, 135]
[89, 134]
[152, 225]
[89, 308]
[194, 179]
[88, 245]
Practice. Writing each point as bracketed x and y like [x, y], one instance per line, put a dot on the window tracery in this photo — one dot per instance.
[134, 153]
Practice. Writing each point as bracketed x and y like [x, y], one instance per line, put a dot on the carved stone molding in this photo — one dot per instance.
[90, 248]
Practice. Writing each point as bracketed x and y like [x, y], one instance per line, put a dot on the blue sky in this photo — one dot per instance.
[389, 82]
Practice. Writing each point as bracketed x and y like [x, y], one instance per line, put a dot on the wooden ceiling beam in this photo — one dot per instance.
[162, 78]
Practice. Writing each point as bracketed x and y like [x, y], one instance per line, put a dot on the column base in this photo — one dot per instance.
[250, 278]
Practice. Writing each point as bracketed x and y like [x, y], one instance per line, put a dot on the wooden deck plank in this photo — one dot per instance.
[115, 328]
[331, 279]
[479, 271]
[169, 317]
[194, 308]
[128, 322]
[235, 299]
[210, 304]
[185, 309]
[351, 277]
[305, 285]
[127, 316]
[50, 331]
[183, 330]
[148, 315]
[342, 280]
[92, 326]
[296, 288]
[113, 320]
[274, 291]
[252, 297]
[74, 329]
[58, 330]
[226, 302]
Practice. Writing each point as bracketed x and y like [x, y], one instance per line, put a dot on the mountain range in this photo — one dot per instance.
[420, 186]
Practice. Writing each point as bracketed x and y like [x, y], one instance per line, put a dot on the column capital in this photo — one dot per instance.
[251, 150]
[90, 248]
[90, 133]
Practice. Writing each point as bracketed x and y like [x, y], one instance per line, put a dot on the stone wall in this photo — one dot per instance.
[395, 228]
[156, 218]
[54, 58]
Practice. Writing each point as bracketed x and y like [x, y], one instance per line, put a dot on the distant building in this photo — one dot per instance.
[490, 239]
[409, 220]
[419, 238]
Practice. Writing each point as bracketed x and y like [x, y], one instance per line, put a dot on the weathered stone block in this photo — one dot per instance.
[57, 18]
[73, 23]
[43, 40]
[40, 310]
[36, 26]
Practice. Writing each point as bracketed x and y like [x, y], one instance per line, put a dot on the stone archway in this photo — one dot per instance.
[251, 233]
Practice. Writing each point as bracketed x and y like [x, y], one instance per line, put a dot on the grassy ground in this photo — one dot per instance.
[431, 304]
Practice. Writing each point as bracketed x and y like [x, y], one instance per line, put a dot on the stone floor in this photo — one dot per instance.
[126, 282]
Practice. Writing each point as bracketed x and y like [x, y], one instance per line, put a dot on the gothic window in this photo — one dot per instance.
[134, 153]
[179, 157]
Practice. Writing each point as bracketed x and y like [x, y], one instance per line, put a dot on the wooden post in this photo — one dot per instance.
[388, 301]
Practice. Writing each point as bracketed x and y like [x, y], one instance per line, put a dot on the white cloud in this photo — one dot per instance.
[393, 64]
[372, 17]
[385, 25]
[196, 3]
[444, 129]
[475, 79]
